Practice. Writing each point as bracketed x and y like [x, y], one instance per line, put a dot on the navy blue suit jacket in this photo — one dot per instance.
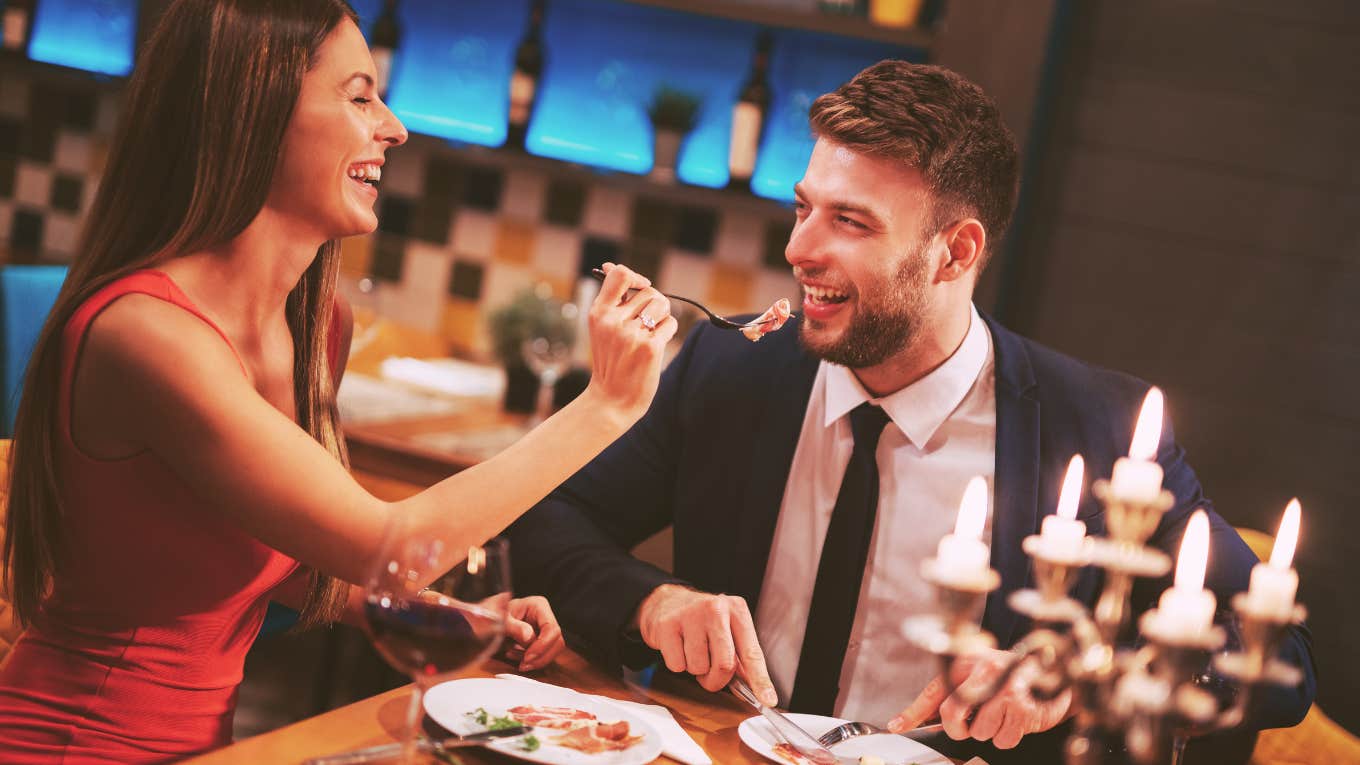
[712, 456]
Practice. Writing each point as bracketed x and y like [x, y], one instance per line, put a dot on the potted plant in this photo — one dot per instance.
[533, 314]
[674, 113]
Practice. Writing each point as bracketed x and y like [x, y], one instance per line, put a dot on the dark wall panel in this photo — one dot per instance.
[1196, 225]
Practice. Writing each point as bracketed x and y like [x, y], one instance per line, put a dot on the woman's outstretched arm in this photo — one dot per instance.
[165, 381]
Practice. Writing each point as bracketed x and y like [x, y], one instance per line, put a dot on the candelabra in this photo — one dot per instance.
[1146, 695]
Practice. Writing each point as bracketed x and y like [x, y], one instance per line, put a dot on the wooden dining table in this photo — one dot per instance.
[710, 718]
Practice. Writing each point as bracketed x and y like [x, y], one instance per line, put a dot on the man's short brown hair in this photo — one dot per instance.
[937, 122]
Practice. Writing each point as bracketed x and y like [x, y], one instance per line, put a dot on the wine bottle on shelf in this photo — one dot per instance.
[749, 116]
[524, 80]
[843, 7]
[386, 38]
[16, 24]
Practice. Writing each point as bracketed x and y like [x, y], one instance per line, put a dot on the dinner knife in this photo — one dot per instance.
[785, 728]
[386, 751]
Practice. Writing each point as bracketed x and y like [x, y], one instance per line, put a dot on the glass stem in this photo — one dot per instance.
[543, 406]
[1178, 749]
[410, 743]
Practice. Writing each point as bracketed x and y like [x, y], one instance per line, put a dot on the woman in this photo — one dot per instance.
[177, 455]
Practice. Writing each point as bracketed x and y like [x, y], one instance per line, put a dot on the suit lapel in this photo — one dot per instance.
[1016, 491]
[773, 444]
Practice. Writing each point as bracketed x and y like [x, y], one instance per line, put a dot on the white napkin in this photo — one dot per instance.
[448, 376]
[675, 742]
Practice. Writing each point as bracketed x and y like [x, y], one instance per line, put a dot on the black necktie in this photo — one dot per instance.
[841, 570]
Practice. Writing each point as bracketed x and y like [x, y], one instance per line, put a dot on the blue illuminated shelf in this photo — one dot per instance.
[94, 35]
[604, 62]
[845, 26]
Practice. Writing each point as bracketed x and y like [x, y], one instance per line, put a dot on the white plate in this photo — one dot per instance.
[756, 733]
[448, 704]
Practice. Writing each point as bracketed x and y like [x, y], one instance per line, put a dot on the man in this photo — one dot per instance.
[807, 476]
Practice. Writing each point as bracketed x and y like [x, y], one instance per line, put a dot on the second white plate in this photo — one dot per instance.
[756, 733]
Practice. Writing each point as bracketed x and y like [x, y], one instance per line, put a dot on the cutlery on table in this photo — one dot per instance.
[847, 731]
[786, 729]
[387, 751]
[713, 318]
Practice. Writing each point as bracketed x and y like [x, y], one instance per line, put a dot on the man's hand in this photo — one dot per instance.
[1003, 720]
[533, 628]
[709, 636]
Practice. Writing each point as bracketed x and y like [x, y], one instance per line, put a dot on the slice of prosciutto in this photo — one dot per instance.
[603, 737]
[562, 718]
[779, 312]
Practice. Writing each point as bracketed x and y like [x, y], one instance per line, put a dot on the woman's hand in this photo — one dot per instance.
[628, 337]
[533, 628]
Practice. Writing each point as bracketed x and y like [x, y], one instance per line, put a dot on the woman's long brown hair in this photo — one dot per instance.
[190, 167]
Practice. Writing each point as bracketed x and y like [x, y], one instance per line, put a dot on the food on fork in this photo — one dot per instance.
[779, 312]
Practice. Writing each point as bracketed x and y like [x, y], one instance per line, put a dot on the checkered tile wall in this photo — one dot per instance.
[459, 233]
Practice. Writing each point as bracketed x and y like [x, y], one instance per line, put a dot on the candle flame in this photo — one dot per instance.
[1194, 554]
[1288, 537]
[1071, 488]
[972, 510]
[476, 560]
[1149, 429]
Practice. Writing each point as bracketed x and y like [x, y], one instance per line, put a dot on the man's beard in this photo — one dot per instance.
[886, 319]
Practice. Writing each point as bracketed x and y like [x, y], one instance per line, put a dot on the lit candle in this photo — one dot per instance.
[1187, 609]
[1138, 477]
[1062, 533]
[1274, 584]
[963, 556]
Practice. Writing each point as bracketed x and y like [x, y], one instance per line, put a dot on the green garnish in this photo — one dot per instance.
[529, 743]
[484, 719]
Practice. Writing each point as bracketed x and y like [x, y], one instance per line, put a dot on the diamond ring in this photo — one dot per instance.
[647, 321]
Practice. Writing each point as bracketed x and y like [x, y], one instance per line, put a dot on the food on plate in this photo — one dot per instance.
[562, 718]
[584, 732]
[598, 738]
[790, 755]
[527, 743]
[779, 312]
[484, 719]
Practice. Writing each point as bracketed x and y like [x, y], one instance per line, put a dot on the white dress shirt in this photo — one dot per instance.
[943, 432]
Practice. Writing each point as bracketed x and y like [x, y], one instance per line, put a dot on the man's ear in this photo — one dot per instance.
[964, 242]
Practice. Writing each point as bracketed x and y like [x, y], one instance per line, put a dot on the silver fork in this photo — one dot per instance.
[713, 318]
[847, 731]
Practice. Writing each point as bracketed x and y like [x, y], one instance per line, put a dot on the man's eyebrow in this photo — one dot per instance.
[841, 205]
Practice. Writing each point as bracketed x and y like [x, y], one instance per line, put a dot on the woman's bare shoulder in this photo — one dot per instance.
[138, 331]
[142, 358]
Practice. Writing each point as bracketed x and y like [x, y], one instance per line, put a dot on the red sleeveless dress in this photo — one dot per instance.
[137, 654]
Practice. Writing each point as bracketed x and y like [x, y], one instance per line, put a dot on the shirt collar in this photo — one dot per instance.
[922, 407]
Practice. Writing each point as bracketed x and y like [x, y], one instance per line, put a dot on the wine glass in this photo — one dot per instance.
[362, 294]
[549, 358]
[432, 612]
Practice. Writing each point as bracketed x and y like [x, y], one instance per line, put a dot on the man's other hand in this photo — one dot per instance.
[1003, 720]
[709, 636]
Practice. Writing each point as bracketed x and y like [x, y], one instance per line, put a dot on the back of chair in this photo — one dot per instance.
[9, 630]
[26, 297]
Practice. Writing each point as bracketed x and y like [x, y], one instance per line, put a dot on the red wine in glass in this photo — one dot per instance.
[427, 639]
